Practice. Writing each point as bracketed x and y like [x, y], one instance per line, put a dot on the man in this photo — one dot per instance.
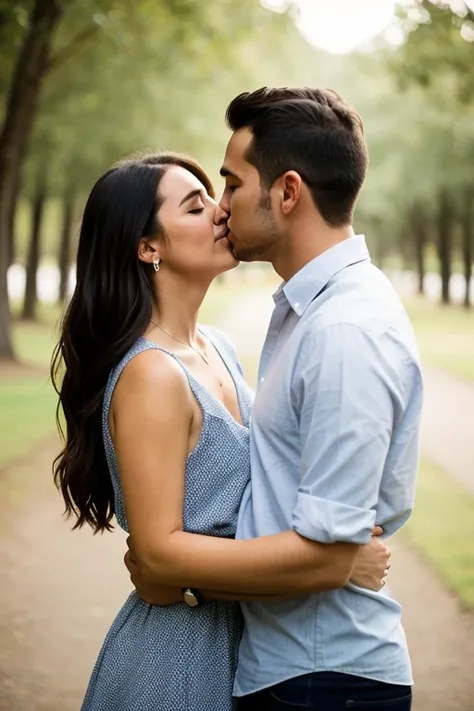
[335, 427]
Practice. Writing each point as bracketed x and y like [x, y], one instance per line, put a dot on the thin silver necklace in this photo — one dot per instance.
[178, 340]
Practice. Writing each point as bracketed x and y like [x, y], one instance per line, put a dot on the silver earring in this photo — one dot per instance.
[156, 265]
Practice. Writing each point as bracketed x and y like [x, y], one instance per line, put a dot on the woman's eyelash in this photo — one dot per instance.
[196, 211]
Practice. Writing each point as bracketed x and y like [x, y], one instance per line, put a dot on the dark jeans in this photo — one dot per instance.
[329, 691]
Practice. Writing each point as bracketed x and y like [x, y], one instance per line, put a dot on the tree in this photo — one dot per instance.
[440, 41]
[438, 57]
[38, 203]
[21, 108]
[64, 254]
[467, 229]
[130, 48]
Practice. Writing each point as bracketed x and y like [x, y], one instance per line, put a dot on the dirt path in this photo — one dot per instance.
[60, 590]
[448, 425]
[11, 369]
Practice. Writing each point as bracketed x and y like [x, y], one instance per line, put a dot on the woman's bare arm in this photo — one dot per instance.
[152, 418]
[369, 572]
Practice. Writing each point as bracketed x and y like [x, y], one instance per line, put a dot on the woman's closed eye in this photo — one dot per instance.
[196, 211]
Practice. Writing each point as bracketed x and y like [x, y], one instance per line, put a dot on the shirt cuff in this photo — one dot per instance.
[329, 521]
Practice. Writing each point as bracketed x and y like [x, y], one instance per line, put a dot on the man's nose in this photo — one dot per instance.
[222, 212]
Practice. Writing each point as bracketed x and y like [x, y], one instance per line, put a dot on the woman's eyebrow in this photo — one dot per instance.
[190, 195]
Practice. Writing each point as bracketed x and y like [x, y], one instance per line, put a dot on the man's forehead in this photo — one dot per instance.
[236, 151]
[240, 140]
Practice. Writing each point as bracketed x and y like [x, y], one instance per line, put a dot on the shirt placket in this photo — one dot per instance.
[279, 316]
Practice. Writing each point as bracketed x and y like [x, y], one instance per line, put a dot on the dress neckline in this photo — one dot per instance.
[202, 386]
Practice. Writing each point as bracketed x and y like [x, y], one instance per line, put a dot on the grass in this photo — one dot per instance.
[34, 342]
[442, 528]
[27, 399]
[26, 415]
[445, 337]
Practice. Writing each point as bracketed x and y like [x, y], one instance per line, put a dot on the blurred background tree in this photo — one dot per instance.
[85, 82]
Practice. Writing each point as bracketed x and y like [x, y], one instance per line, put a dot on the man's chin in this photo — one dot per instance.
[244, 256]
[239, 256]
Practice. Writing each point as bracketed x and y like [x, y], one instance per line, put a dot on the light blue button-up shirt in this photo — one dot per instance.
[334, 448]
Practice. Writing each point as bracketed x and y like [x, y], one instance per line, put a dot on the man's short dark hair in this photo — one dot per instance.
[311, 131]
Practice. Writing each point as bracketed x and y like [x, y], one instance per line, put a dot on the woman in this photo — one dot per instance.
[157, 416]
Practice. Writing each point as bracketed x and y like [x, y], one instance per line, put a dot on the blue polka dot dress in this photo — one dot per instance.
[178, 658]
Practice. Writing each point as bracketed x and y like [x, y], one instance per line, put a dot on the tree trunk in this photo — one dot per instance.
[31, 295]
[20, 113]
[419, 233]
[420, 263]
[64, 257]
[11, 224]
[445, 244]
[468, 246]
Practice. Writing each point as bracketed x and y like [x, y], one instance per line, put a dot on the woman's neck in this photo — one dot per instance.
[178, 302]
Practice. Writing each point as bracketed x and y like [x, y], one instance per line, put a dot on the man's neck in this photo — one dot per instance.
[305, 244]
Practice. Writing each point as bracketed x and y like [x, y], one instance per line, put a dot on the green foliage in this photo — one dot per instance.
[13, 20]
[439, 51]
[144, 76]
[135, 75]
[418, 108]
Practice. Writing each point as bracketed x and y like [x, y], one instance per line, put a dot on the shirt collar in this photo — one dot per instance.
[306, 284]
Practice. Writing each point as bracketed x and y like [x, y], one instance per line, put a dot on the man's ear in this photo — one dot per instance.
[148, 250]
[290, 191]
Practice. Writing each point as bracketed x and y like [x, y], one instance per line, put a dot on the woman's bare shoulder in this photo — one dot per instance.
[154, 372]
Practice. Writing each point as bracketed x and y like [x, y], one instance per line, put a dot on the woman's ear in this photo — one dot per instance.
[148, 251]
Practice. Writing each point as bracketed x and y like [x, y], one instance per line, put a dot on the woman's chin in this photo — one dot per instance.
[226, 266]
[227, 254]
[232, 264]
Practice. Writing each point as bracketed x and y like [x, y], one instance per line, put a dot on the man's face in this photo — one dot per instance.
[252, 224]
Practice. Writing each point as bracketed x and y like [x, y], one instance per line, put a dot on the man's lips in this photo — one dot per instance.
[223, 233]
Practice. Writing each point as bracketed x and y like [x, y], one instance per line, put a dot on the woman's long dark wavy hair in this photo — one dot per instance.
[110, 309]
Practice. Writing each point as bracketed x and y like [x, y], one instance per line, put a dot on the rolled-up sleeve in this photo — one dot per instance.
[346, 397]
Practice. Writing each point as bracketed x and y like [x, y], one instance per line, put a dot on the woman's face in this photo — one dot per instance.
[191, 245]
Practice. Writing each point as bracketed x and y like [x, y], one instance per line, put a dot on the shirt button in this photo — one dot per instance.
[262, 379]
